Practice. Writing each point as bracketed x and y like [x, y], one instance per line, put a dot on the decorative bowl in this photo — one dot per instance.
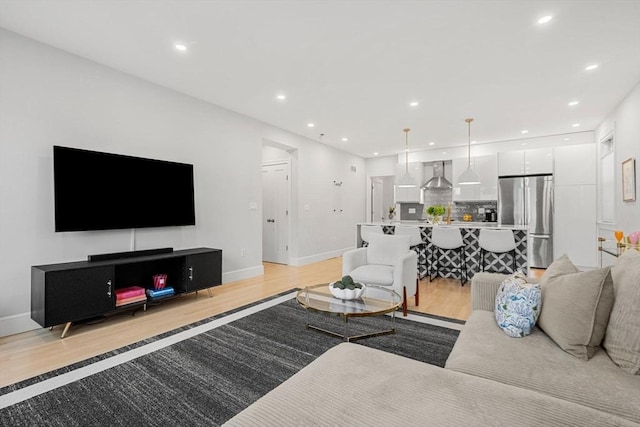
[346, 294]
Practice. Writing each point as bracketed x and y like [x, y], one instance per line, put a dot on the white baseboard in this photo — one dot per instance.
[17, 323]
[317, 257]
[245, 273]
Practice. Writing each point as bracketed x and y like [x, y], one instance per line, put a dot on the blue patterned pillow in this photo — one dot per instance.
[517, 305]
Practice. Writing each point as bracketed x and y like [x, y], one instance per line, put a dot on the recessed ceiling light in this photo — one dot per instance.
[181, 47]
[524, 143]
[345, 139]
[281, 97]
[311, 125]
[573, 103]
[591, 67]
[444, 152]
[524, 131]
[548, 154]
[545, 19]
[575, 125]
[432, 143]
[566, 139]
[473, 142]
[413, 104]
[375, 154]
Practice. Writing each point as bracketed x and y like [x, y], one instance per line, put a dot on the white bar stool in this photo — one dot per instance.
[447, 239]
[367, 230]
[498, 242]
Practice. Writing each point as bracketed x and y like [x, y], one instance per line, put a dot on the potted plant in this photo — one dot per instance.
[435, 213]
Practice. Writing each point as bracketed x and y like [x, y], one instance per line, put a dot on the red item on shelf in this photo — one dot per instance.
[159, 281]
[129, 292]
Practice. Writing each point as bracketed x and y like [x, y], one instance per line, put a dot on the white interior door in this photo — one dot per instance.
[377, 210]
[275, 214]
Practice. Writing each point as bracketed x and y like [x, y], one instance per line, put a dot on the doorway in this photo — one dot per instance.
[275, 212]
[380, 197]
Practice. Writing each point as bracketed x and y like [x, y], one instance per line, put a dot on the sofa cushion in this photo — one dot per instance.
[351, 384]
[387, 249]
[622, 338]
[373, 274]
[517, 305]
[576, 307]
[559, 267]
[536, 363]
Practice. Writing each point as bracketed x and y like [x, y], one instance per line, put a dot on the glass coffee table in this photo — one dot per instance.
[376, 301]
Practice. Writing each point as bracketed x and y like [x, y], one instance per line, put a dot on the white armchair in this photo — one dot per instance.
[387, 261]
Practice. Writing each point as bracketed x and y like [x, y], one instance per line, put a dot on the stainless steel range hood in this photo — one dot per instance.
[438, 182]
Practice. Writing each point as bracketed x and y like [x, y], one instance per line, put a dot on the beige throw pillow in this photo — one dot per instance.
[622, 339]
[575, 307]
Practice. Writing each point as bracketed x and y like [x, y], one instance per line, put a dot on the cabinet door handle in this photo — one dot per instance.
[190, 273]
[109, 287]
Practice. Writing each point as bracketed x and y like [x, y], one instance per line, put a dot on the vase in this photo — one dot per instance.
[434, 219]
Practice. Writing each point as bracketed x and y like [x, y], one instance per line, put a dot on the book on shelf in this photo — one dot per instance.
[129, 292]
[157, 293]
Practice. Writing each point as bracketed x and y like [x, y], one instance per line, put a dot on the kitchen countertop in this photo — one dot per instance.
[460, 224]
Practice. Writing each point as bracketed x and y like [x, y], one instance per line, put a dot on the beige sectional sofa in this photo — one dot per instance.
[489, 378]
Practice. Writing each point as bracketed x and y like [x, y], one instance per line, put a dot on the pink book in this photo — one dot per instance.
[129, 292]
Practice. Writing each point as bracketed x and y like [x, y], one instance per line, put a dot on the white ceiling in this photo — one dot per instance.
[352, 67]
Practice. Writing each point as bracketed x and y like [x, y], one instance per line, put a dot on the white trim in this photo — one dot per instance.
[102, 365]
[245, 273]
[318, 257]
[431, 321]
[17, 323]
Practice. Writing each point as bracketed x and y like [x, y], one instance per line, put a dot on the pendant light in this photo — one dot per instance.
[469, 176]
[406, 181]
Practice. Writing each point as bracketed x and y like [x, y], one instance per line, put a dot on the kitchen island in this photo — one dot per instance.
[470, 235]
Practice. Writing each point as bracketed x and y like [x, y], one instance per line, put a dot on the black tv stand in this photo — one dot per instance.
[74, 291]
[129, 254]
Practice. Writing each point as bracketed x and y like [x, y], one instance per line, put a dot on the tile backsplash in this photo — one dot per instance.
[461, 208]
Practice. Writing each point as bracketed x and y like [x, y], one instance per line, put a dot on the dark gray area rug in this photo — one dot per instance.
[207, 379]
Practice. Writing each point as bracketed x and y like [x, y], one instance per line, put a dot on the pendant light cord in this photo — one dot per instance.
[406, 149]
[469, 142]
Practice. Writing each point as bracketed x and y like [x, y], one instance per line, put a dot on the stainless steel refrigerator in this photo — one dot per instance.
[528, 200]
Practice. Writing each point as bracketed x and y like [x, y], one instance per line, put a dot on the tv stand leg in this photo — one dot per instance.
[209, 292]
[66, 328]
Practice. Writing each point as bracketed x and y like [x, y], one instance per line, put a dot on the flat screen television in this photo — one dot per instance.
[104, 191]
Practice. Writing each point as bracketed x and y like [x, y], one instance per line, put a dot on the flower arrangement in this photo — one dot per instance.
[392, 212]
[434, 213]
[437, 210]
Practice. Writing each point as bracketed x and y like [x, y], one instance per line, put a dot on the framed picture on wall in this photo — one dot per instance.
[629, 180]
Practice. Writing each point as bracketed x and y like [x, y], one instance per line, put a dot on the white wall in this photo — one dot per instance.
[624, 124]
[50, 97]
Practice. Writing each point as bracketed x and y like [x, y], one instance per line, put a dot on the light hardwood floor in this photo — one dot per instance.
[35, 352]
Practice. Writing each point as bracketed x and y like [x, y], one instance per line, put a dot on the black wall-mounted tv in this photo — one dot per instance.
[103, 191]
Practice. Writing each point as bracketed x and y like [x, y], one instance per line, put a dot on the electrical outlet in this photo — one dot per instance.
[243, 252]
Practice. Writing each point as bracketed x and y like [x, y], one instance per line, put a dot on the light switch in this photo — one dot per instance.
[253, 206]
[307, 207]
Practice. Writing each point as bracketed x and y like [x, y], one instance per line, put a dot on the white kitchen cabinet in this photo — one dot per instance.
[574, 223]
[511, 163]
[538, 161]
[575, 165]
[413, 194]
[487, 169]
[525, 162]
